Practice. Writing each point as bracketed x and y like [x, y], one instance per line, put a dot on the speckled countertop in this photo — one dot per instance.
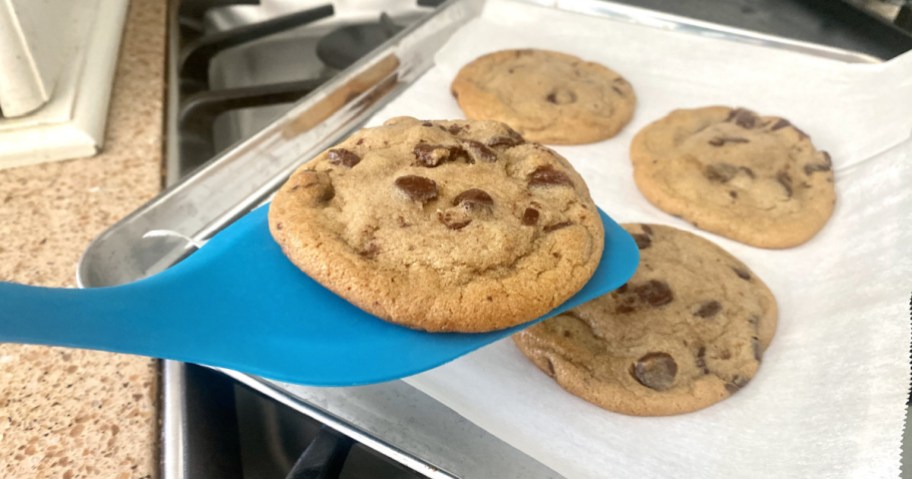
[68, 413]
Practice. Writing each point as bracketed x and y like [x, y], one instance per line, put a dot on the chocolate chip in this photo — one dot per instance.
[642, 241]
[556, 226]
[480, 152]
[701, 360]
[736, 384]
[360, 141]
[417, 188]
[454, 129]
[427, 124]
[782, 123]
[743, 118]
[741, 273]
[720, 172]
[786, 181]
[343, 157]
[453, 220]
[733, 194]
[827, 165]
[455, 95]
[655, 371]
[548, 176]
[434, 155]
[279, 226]
[561, 97]
[617, 90]
[646, 229]
[474, 200]
[654, 292]
[811, 168]
[708, 309]
[726, 355]
[755, 345]
[530, 217]
[511, 139]
[721, 140]
[623, 288]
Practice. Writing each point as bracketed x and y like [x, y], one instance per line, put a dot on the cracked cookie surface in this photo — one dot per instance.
[688, 330]
[549, 97]
[754, 179]
[441, 225]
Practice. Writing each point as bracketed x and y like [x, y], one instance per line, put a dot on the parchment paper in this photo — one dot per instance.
[829, 399]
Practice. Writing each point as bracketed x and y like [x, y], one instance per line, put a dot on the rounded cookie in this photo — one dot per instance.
[688, 330]
[441, 225]
[549, 97]
[754, 179]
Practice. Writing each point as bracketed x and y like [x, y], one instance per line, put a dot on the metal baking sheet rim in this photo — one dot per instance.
[608, 10]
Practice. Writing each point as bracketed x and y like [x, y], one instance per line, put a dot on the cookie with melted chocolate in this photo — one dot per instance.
[688, 330]
[755, 179]
[441, 225]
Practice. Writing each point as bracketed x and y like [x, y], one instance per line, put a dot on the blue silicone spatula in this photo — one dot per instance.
[238, 303]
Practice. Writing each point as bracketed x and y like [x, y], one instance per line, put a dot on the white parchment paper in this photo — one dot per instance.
[829, 400]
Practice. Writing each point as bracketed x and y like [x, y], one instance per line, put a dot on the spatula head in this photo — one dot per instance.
[256, 312]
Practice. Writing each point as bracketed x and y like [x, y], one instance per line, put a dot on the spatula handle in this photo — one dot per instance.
[103, 318]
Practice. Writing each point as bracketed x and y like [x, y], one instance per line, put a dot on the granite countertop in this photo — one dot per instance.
[69, 413]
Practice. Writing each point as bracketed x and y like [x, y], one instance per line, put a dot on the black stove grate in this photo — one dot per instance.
[199, 105]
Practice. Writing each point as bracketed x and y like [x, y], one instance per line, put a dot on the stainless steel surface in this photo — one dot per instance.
[174, 424]
[393, 418]
[405, 424]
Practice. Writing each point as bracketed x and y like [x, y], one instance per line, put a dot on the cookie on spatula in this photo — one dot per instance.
[688, 330]
[441, 225]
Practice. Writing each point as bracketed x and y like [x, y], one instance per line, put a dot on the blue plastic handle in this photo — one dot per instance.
[238, 303]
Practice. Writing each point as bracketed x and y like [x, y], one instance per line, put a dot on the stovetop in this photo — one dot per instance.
[236, 65]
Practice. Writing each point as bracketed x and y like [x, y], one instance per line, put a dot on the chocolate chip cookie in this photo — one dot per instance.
[688, 330]
[547, 96]
[441, 225]
[754, 179]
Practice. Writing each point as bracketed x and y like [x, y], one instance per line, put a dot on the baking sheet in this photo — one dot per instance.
[829, 399]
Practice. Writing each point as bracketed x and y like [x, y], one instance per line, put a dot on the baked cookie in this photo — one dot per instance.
[549, 97]
[688, 330]
[441, 225]
[754, 179]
